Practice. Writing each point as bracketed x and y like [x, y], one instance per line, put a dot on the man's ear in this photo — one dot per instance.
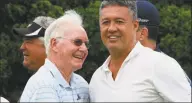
[53, 45]
[144, 33]
[136, 25]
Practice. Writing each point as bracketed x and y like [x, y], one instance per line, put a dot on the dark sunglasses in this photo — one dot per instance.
[77, 42]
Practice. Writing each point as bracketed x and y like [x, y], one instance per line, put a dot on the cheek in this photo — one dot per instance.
[40, 51]
[67, 52]
[103, 35]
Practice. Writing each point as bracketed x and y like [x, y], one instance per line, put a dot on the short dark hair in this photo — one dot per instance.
[130, 4]
[153, 31]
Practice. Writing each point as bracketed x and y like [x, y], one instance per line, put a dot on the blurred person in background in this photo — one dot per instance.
[149, 21]
[33, 48]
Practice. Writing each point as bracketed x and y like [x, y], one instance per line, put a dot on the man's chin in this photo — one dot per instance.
[77, 67]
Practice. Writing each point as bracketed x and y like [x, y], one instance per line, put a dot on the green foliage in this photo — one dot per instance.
[44, 7]
[71, 4]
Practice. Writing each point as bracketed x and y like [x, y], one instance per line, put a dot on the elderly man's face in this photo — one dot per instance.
[118, 29]
[34, 53]
[72, 49]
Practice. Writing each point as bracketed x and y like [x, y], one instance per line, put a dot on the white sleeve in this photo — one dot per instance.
[170, 81]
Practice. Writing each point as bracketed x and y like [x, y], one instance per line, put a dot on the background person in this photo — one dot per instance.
[149, 21]
[33, 48]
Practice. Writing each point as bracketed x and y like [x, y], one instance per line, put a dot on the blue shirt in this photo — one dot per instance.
[48, 85]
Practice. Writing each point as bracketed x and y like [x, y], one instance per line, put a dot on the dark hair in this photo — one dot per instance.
[152, 31]
[130, 4]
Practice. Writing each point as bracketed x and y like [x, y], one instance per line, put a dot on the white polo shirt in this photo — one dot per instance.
[145, 76]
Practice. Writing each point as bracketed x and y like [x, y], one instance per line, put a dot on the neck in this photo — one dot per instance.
[66, 74]
[151, 44]
[115, 65]
[63, 68]
[117, 58]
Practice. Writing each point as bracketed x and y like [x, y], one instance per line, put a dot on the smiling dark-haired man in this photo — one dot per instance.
[132, 72]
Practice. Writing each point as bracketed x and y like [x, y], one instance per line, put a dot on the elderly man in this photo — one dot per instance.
[33, 46]
[132, 72]
[66, 48]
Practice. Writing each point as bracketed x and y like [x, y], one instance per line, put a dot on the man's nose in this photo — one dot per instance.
[22, 47]
[112, 27]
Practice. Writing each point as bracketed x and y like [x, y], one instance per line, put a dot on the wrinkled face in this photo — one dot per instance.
[118, 29]
[34, 53]
[71, 49]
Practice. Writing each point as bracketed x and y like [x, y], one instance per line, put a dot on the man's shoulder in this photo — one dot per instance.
[78, 78]
[157, 58]
[41, 78]
[97, 74]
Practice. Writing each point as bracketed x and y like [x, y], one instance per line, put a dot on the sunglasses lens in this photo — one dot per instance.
[78, 42]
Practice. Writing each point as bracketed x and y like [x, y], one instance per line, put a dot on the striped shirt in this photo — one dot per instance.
[48, 85]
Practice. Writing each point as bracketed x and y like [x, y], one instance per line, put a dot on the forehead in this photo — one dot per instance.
[115, 11]
[30, 38]
[33, 40]
[75, 31]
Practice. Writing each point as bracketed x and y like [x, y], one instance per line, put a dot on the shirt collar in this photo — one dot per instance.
[105, 64]
[134, 52]
[56, 73]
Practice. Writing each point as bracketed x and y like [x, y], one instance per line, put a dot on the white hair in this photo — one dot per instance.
[70, 17]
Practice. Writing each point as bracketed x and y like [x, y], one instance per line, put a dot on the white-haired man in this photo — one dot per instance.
[66, 48]
[33, 48]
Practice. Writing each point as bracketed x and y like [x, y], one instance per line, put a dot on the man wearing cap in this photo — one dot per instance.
[33, 46]
[149, 20]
